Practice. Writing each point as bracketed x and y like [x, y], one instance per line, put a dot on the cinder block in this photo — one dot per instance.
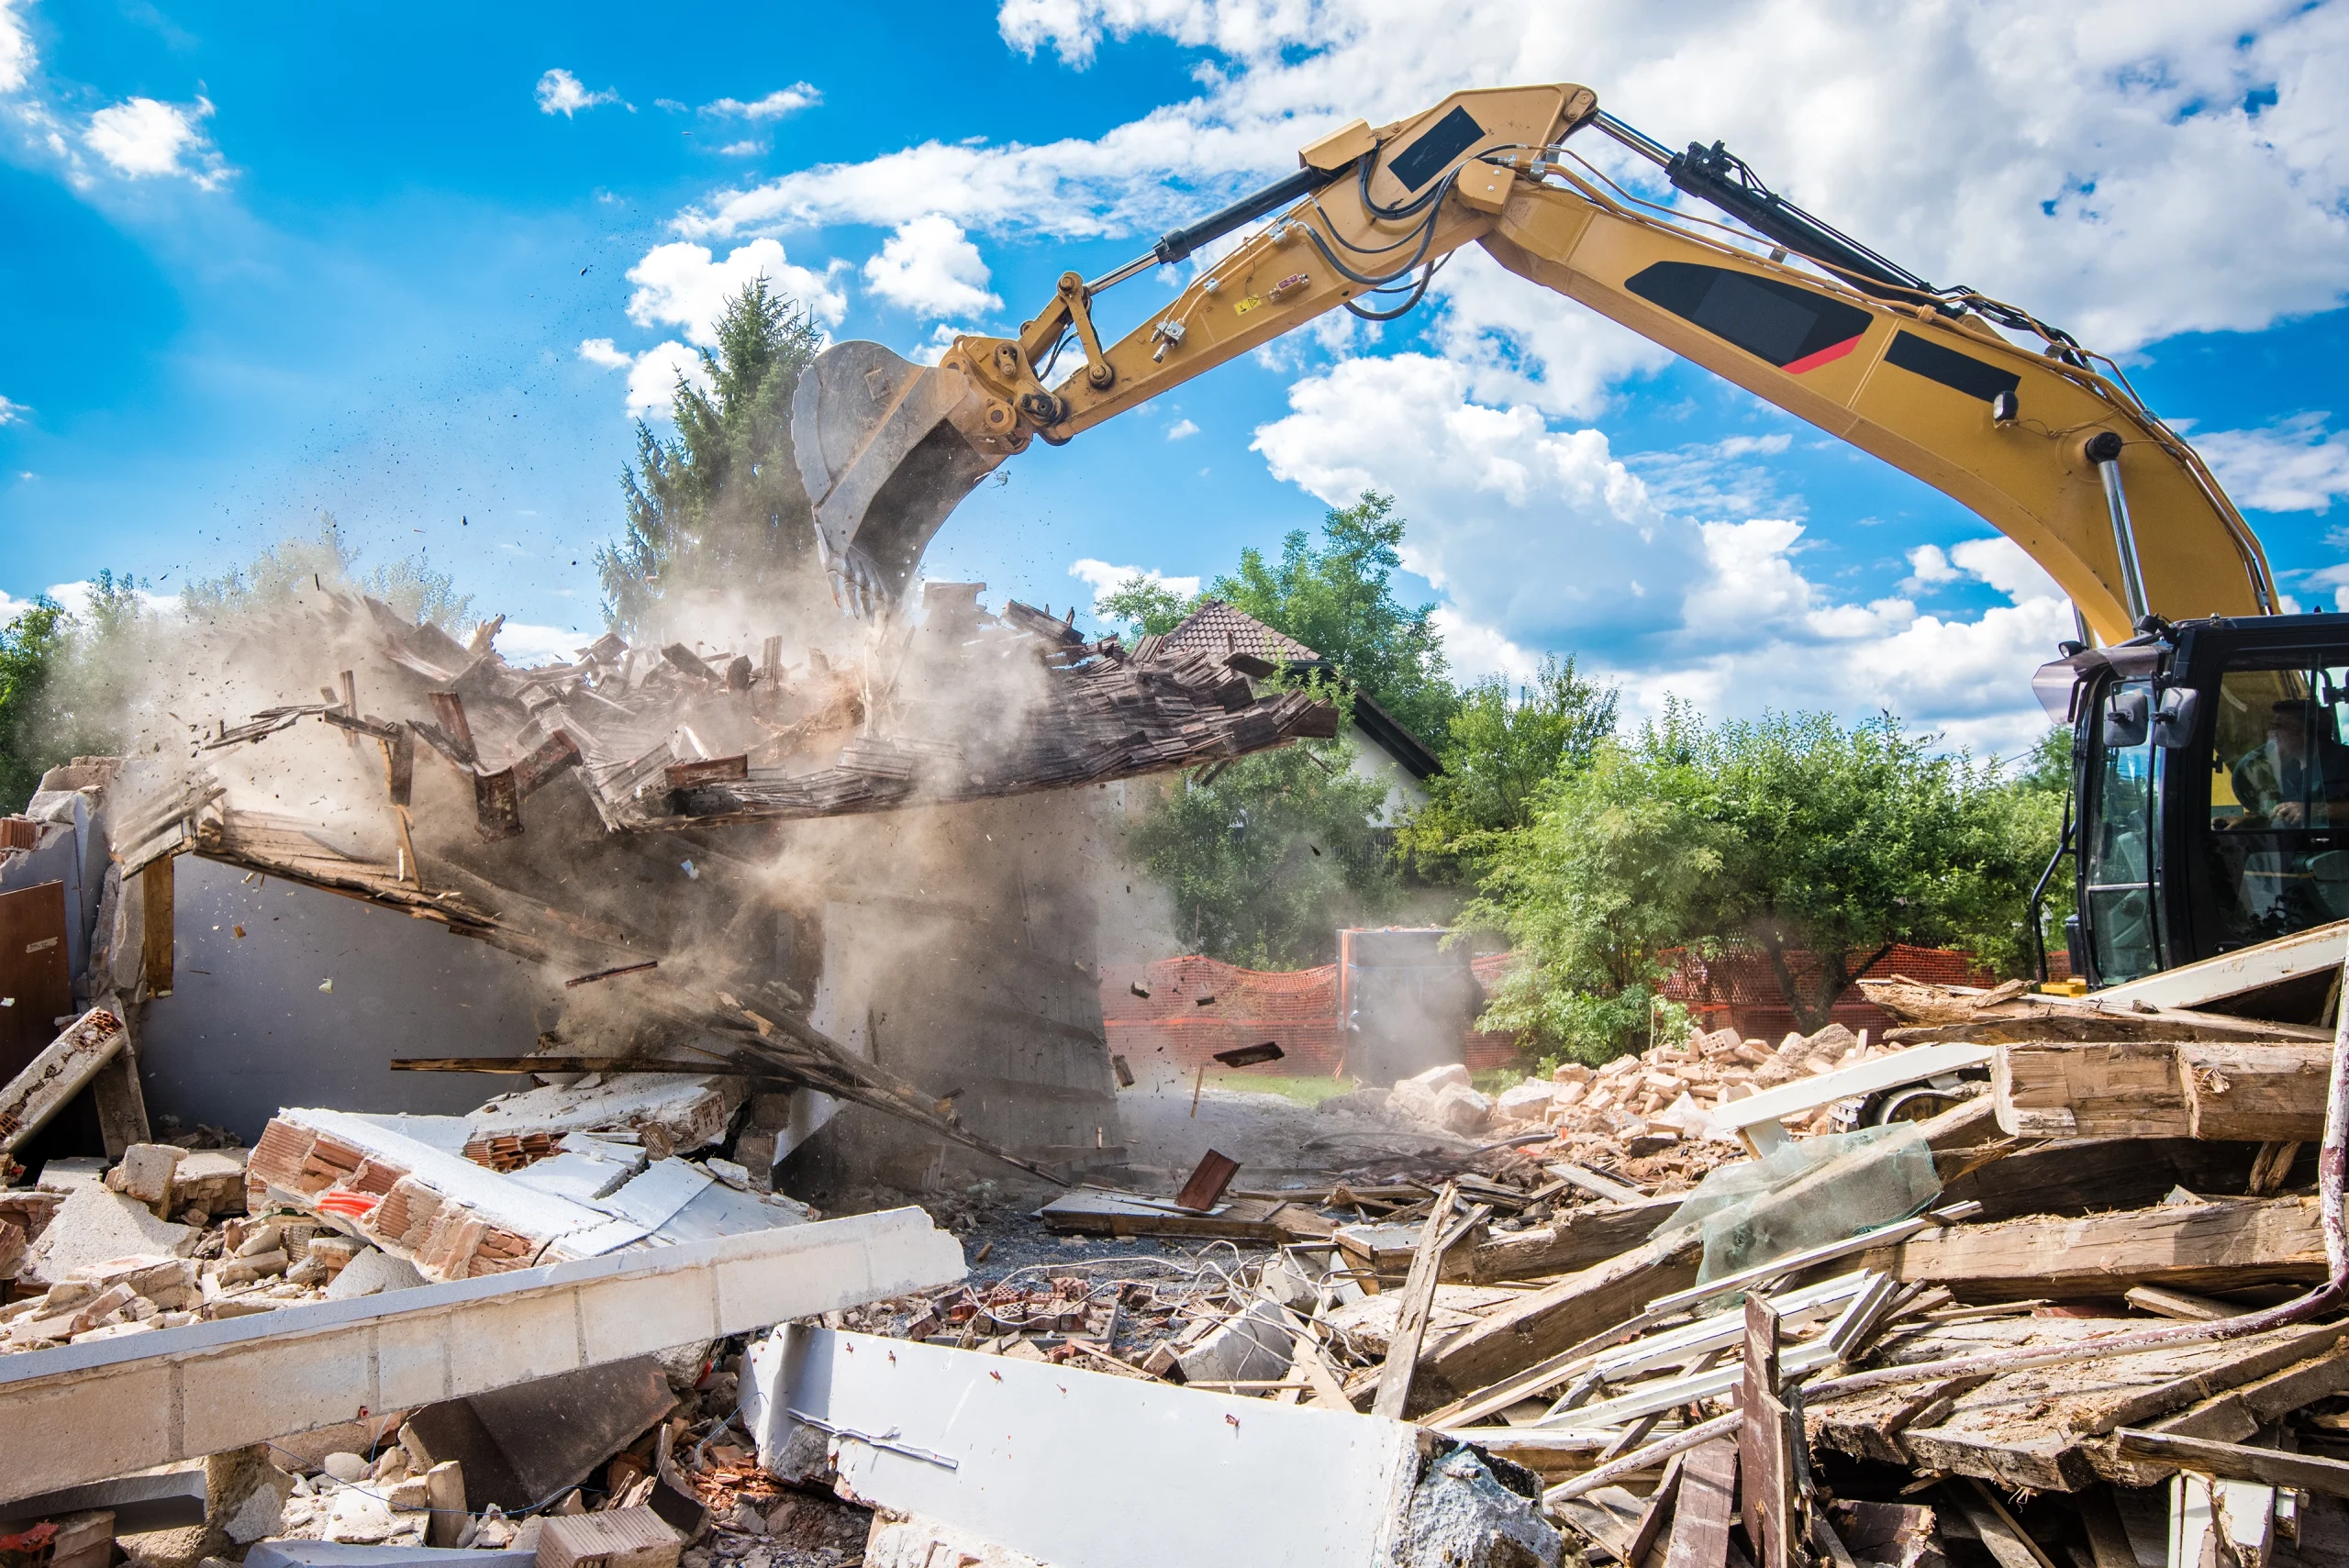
[500, 1342]
[618, 1537]
[88, 1429]
[412, 1358]
[635, 1318]
[253, 1392]
[146, 1171]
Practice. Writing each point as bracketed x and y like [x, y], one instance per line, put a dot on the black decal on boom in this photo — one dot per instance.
[1432, 153]
[1959, 372]
[1780, 322]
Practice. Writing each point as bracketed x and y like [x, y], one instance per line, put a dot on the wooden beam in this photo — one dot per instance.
[2271, 1094]
[2102, 1089]
[2234, 1461]
[1764, 1454]
[1543, 1322]
[1418, 1305]
[2210, 1246]
[121, 1103]
[1575, 1240]
[57, 1074]
[1702, 1512]
[155, 934]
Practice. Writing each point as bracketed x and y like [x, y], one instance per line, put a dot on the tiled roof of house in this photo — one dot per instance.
[1216, 628]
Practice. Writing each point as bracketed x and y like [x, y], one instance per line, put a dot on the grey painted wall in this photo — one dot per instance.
[245, 1028]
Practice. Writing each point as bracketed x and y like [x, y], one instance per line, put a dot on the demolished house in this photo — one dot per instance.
[2023, 1279]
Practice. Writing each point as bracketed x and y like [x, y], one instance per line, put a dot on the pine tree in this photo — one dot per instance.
[720, 504]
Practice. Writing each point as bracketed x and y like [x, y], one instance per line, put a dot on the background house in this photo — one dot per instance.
[1383, 751]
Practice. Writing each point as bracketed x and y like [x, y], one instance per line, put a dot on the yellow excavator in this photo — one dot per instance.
[2208, 750]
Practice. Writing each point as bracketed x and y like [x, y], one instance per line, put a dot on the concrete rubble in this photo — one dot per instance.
[2023, 1278]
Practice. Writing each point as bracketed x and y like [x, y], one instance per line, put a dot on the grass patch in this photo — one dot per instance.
[1305, 1091]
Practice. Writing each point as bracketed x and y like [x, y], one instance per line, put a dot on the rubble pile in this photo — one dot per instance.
[961, 705]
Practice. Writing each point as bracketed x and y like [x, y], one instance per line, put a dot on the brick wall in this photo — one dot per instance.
[1299, 1009]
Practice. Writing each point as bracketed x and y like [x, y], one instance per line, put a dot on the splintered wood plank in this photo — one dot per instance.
[1543, 1322]
[2202, 1247]
[1576, 1240]
[1765, 1452]
[2032, 1427]
[2255, 1093]
[155, 935]
[2235, 1461]
[1419, 1301]
[2236, 1414]
[2104, 1089]
[1702, 1512]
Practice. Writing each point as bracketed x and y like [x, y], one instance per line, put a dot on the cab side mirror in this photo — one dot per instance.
[2126, 717]
[2174, 722]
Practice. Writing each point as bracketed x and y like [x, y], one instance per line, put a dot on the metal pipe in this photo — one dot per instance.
[2104, 451]
[1638, 141]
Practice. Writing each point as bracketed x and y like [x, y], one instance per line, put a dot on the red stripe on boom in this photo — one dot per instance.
[1832, 351]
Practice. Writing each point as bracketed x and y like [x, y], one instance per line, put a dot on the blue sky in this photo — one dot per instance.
[406, 264]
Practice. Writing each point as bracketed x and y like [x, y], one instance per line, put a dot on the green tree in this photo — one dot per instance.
[1145, 606]
[1498, 753]
[2038, 784]
[32, 647]
[1268, 855]
[1793, 833]
[1337, 598]
[63, 684]
[410, 585]
[720, 504]
[1605, 875]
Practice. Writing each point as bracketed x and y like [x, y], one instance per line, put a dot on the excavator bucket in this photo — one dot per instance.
[884, 460]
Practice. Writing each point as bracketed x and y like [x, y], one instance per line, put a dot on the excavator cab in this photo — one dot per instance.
[2211, 778]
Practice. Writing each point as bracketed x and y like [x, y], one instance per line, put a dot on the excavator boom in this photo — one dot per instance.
[2059, 457]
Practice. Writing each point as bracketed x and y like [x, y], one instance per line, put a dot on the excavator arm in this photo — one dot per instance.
[2058, 456]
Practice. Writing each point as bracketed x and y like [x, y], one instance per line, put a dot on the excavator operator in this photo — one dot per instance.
[2299, 773]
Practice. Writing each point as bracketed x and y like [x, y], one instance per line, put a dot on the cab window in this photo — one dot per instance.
[2117, 865]
[2278, 839]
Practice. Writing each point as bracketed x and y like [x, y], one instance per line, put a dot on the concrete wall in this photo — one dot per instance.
[247, 1030]
[964, 958]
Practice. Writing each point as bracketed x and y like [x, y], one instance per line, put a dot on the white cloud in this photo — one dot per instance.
[1105, 579]
[1929, 567]
[1541, 538]
[1532, 531]
[144, 138]
[1181, 430]
[1967, 679]
[774, 107]
[2295, 466]
[16, 48]
[742, 149]
[929, 268]
[2097, 163]
[599, 351]
[12, 412]
[652, 375]
[681, 284]
[561, 93]
[519, 642]
[1474, 650]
